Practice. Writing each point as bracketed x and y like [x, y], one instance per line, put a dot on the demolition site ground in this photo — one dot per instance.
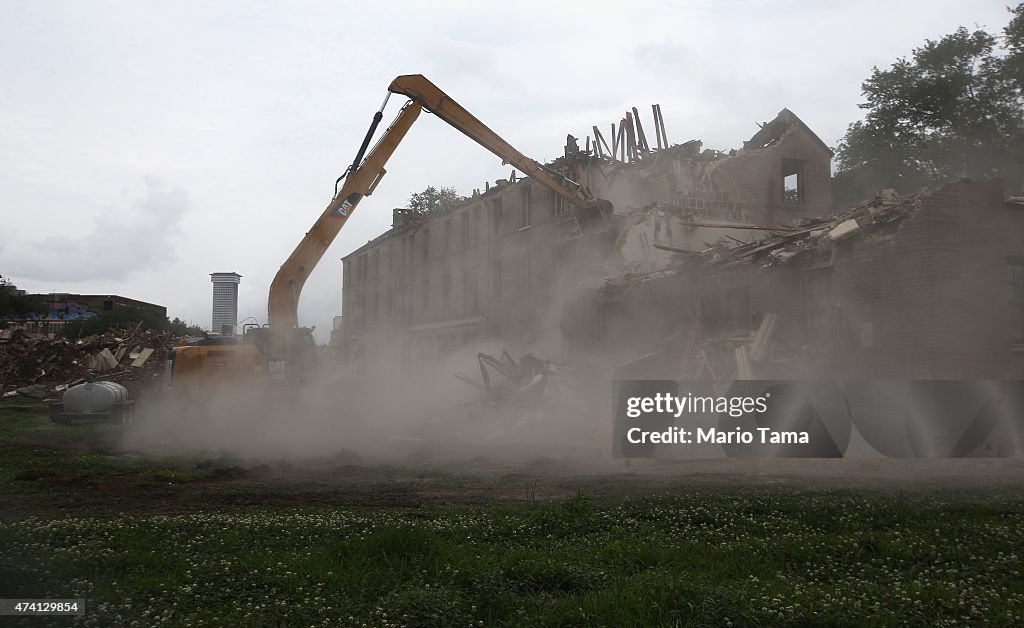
[190, 540]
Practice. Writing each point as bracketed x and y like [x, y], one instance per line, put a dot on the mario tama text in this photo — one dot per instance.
[818, 419]
[693, 406]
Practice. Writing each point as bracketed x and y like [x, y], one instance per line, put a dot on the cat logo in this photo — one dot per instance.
[342, 211]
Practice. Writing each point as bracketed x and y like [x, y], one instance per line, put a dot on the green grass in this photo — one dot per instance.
[709, 558]
[714, 556]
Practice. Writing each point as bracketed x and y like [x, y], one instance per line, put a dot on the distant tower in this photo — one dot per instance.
[225, 302]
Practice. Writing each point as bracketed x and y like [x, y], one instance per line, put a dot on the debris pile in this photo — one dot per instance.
[706, 353]
[528, 380]
[34, 363]
[813, 237]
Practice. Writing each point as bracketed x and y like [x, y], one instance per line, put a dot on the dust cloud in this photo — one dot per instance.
[432, 418]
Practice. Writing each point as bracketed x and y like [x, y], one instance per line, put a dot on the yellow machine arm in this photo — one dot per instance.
[360, 181]
[420, 90]
[363, 176]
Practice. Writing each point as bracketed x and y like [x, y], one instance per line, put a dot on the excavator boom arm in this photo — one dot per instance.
[419, 89]
[363, 176]
[361, 181]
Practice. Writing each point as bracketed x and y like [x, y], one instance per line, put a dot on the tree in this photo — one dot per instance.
[179, 327]
[434, 200]
[1013, 40]
[16, 305]
[953, 110]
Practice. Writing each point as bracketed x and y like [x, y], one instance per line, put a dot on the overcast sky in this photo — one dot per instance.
[145, 145]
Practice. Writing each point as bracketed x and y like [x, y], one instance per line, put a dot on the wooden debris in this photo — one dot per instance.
[143, 356]
[759, 347]
[843, 230]
[743, 370]
[30, 358]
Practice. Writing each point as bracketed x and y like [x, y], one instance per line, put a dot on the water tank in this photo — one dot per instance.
[94, 397]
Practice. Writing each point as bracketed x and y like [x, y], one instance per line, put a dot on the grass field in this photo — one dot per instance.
[198, 541]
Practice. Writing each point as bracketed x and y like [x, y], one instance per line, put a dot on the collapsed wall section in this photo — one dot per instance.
[928, 287]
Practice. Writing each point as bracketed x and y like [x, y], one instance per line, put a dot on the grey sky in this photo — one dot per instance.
[145, 145]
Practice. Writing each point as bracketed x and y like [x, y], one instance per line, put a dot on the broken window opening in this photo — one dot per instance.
[793, 181]
[558, 202]
[471, 302]
[1016, 285]
[496, 279]
[526, 207]
[818, 304]
[407, 297]
[496, 203]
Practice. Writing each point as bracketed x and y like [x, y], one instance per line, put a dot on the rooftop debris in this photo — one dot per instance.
[784, 244]
[134, 358]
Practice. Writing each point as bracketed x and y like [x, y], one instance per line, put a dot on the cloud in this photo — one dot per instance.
[122, 241]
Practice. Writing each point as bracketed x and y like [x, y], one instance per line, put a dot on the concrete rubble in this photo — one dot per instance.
[814, 237]
[707, 354]
[38, 364]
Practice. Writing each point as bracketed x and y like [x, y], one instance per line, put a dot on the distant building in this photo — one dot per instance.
[65, 308]
[225, 302]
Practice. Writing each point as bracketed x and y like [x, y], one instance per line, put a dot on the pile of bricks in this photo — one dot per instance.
[38, 363]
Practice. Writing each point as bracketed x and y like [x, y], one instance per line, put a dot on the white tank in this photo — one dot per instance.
[94, 397]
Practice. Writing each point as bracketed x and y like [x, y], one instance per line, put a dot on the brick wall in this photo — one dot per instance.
[936, 292]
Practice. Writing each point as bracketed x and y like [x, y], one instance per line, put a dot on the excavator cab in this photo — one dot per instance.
[289, 357]
[203, 366]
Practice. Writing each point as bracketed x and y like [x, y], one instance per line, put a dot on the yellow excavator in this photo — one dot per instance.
[282, 349]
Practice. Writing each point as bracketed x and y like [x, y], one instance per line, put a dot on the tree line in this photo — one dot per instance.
[14, 305]
[952, 110]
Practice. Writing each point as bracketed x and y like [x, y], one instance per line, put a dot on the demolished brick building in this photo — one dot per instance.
[500, 266]
[926, 287]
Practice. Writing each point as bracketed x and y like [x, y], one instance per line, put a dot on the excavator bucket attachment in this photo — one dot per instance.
[594, 214]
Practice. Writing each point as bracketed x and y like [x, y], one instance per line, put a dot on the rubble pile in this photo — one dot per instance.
[40, 365]
[815, 236]
[710, 354]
